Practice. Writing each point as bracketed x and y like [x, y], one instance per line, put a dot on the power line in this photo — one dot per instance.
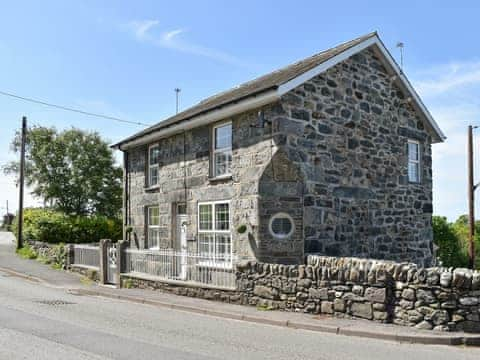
[66, 108]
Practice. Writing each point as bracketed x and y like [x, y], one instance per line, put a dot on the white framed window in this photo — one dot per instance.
[153, 157]
[153, 227]
[281, 226]
[413, 161]
[222, 150]
[214, 231]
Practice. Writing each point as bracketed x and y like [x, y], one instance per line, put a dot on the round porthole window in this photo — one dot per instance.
[281, 225]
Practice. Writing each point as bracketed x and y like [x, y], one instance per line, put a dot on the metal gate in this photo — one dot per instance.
[112, 264]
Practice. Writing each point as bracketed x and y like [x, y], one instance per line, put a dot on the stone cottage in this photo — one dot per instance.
[329, 155]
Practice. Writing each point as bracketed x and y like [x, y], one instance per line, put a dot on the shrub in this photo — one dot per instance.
[55, 227]
[450, 251]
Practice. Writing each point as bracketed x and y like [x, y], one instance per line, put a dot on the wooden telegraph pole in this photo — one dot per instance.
[471, 199]
[20, 184]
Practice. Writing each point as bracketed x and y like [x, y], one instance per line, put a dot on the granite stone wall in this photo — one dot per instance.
[52, 254]
[347, 131]
[440, 299]
[401, 293]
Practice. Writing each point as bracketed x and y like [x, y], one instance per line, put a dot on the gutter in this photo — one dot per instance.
[209, 117]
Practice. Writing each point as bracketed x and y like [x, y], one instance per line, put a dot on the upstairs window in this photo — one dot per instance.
[413, 161]
[222, 150]
[153, 154]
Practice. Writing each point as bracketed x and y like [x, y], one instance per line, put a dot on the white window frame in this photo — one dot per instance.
[416, 162]
[150, 167]
[153, 227]
[281, 215]
[217, 151]
[216, 261]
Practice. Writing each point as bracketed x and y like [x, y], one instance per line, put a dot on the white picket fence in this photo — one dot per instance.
[181, 266]
[86, 255]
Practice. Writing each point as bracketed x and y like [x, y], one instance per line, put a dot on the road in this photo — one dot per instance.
[41, 322]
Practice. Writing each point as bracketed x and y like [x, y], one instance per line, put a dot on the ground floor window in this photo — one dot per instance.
[214, 234]
[153, 227]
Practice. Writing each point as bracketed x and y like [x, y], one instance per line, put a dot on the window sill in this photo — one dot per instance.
[220, 178]
[152, 188]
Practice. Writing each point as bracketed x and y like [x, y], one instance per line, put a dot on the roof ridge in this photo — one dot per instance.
[262, 83]
[282, 68]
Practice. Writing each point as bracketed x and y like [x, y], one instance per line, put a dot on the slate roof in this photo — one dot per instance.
[259, 85]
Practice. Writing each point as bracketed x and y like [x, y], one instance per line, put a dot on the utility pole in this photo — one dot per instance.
[177, 90]
[7, 207]
[20, 183]
[471, 199]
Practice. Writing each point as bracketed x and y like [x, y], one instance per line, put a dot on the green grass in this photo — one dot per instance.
[43, 260]
[86, 281]
[27, 253]
[56, 266]
[127, 283]
[264, 307]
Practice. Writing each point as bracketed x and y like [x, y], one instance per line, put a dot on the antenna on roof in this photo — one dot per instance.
[177, 91]
[401, 45]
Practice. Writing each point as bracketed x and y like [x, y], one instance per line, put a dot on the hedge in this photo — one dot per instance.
[56, 227]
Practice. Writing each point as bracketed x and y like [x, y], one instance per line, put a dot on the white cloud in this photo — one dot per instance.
[451, 92]
[144, 31]
[449, 77]
[141, 28]
[169, 35]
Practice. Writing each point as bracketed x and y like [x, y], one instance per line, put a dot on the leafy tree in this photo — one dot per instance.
[450, 250]
[460, 226]
[73, 171]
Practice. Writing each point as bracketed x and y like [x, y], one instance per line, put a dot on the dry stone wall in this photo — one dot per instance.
[435, 298]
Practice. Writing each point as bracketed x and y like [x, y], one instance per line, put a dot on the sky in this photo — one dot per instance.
[124, 58]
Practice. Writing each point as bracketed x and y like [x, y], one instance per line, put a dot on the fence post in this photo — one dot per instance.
[122, 245]
[69, 255]
[103, 252]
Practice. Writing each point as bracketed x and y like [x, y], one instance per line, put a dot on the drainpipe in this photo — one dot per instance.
[126, 201]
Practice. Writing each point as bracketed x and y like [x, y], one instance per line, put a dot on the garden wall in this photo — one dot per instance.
[60, 255]
[434, 298]
[49, 253]
[437, 298]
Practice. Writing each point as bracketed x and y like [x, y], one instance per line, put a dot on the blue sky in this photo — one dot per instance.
[124, 59]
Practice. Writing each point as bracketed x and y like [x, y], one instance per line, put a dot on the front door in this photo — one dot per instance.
[181, 237]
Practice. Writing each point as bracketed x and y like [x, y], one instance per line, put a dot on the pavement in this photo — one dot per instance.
[70, 283]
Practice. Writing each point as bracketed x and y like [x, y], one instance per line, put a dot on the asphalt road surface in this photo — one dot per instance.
[40, 322]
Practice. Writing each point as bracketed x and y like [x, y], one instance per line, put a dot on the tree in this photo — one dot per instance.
[461, 228]
[73, 170]
[450, 250]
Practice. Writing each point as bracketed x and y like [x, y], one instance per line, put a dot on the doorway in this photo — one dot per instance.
[181, 222]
